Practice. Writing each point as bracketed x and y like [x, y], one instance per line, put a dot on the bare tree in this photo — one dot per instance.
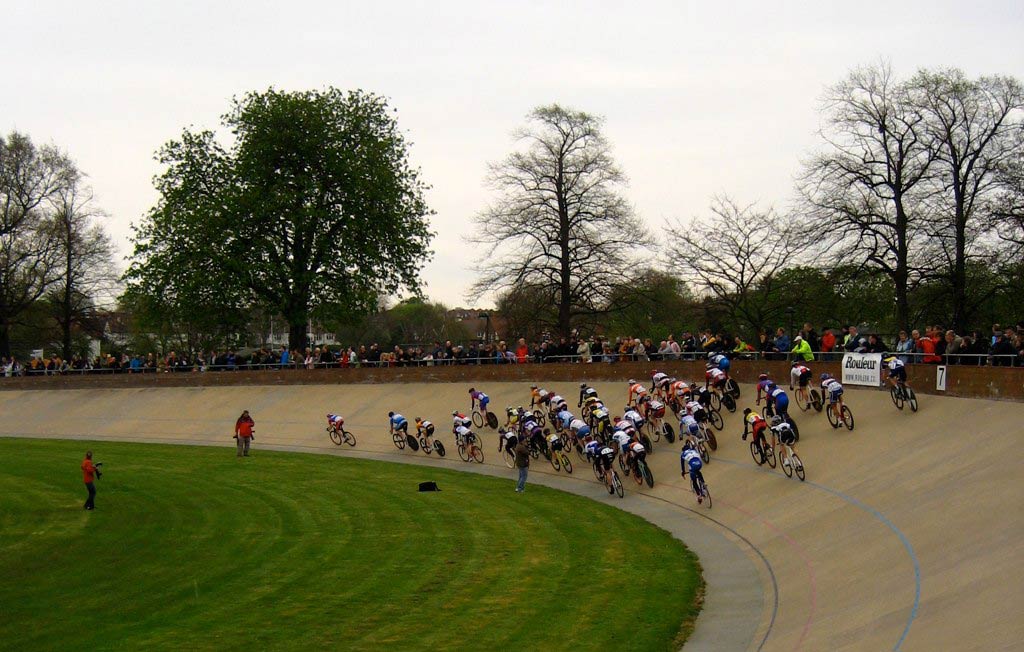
[559, 225]
[864, 190]
[85, 268]
[971, 125]
[30, 177]
[1006, 210]
[736, 255]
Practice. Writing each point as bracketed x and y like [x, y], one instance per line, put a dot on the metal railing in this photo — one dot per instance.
[964, 359]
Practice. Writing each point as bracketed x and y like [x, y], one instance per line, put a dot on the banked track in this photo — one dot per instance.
[904, 537]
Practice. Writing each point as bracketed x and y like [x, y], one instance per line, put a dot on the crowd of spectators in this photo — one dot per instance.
[931, 345]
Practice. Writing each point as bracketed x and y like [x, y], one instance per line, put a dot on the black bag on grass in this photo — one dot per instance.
[429, 486]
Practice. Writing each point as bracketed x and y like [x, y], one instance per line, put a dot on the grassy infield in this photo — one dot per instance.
[191, 548]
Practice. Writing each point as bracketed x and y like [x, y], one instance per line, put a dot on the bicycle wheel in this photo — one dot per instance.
[335, 435]
[716, 420]
[463, 453]
[566, 464]
[648, 475]
[897, 397]
[729, 403]
[653, 433]
[766, 414]
[440, 448]
[756, 454]
[712, 440]
[423, 446]
[492, 420]
[912, 399]
[599, 474]
[707, 494]
[799, 467]
[703, 450]
[769, 455]
[802, 401]
[716, 402]
[848, 418]
[534, 452]
[555, 463]
[348, 438]
[648, 444]
[622, 462]
[478, 454]
[399, 440]
[670, 434]
[637, 474]
[539, 416]
[831, 413]
[816, 400]
[478, 419]
[733, 388]
[508, 457]
[618, 484]
[787, 468]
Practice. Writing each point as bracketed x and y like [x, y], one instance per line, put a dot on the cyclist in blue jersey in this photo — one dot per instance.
[397, 423]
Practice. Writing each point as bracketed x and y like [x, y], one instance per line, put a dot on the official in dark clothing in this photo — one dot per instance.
[88, 475]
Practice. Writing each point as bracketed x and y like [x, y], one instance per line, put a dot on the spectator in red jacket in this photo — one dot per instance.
[926, 346]
[88, 476]
[522, 351]
[243, 433]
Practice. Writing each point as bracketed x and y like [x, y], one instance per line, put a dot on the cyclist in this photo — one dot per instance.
[591, 446]
[507, 439]
[335, 422]
[622, 440]
[558, 404]
[688, 426]
[625, 425]
[700, 394]
[799, 375]
[511, 417]
[697, 410]
[630, 414]
[689, 460]
[398, 424]
[897, 372]
[635, 389]
[539, 397]
[554, 441]
[714, 377]
[777, 401]
[530, 428]
[480, 398]
[652, 409]
[424, 428]
[637, 452]
[783, 432]
[565, 417]
[831, 387]
[763, 381]
[660, 383]
[464, 435]
[589, 403]
[579, 429]
[720, 360]
[460, 419]
[603, 459]
[752, 421]
[675, 394]
[585, 391]
[600, 420]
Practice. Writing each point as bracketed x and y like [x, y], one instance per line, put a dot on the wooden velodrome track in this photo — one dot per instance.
[905, 536]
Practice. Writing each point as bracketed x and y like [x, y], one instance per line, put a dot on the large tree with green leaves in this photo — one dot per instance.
[560, 224]
[312, 210]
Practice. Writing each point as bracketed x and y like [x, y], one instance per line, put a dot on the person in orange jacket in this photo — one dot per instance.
[89, 472]
[244, 428]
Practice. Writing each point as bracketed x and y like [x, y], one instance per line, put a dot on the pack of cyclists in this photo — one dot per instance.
[603, 438]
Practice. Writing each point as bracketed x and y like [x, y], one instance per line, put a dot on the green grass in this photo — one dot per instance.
[191, 548]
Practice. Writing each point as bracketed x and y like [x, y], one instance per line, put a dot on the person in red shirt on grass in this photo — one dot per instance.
[89, 473]
[243, 433]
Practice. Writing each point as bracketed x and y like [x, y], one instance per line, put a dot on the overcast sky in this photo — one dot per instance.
[700, 98]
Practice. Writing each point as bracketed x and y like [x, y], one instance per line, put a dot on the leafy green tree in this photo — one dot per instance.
[657, 305]
[313, 211]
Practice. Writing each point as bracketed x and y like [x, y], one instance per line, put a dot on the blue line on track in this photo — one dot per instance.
[885, 521]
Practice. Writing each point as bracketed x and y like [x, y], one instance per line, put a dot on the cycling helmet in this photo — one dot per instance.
[472, 389]
[687, 446]
[746, 411]
[627, 408]
[520, 409]
[583, 385]
[533, 387]
[391, 414]
[711, 354]
[826, 375]
[631, 381]
[763, 376]
[693, 385]
[796, 363]
[417, 419]
[455, 413]
[776, 420]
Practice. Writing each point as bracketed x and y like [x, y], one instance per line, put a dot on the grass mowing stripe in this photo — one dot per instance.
[193, 548]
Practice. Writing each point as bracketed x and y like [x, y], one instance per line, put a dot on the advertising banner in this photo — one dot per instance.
[862, 369]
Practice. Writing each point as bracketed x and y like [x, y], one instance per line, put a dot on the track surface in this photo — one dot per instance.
[905, 535]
